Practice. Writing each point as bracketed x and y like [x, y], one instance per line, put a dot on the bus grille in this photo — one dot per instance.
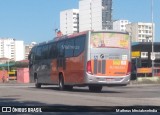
[99, 66]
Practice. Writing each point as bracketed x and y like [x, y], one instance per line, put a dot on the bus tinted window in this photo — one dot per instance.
[31, 56]
[49, 50]
[45, 52]
[69, 48]
[60, 46]
[53, 50]
[79, 45]
[38, 53]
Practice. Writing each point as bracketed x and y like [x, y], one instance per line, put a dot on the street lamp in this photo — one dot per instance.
[152, 39]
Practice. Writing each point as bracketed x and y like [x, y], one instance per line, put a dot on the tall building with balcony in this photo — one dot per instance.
[95, 15]
[120, 25]
[141, 32]
[11, 49]
[69, 21]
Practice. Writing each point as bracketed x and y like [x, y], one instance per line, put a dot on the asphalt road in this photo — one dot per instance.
[28, 95]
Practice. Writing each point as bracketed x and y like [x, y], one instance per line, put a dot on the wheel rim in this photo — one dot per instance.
[61, 83]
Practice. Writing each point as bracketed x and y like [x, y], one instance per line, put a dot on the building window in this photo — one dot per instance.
[143, 40]
[157, 55]
[144, 54]
[140, 40]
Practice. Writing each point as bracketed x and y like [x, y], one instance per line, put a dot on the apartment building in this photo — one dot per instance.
[28, 49]
[95, 15]
[11, 49]
[141, 32]
[120, 25]
[69, 21]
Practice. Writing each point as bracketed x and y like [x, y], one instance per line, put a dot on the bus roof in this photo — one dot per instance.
[77, 34]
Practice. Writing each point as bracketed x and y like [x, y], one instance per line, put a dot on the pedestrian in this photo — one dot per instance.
[3, 78]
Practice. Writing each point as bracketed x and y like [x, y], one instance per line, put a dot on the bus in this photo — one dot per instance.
[91, 58]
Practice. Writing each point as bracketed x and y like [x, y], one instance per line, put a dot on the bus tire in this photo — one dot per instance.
[61, 82]
[37, 85]
[95, 88]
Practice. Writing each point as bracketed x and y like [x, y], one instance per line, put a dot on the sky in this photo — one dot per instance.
[36, 20]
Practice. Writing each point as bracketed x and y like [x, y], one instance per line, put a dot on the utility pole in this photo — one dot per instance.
[152, 38]
[8, 61]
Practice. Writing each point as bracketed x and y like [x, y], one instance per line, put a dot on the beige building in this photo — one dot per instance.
[141, 32]
[3, 60]
[28, 49]
[120, 25]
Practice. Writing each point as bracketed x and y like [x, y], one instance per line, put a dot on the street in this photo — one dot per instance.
[28, 95]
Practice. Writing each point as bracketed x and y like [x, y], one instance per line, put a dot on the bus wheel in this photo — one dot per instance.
[95, 88]
[61, 82]
[37, 85]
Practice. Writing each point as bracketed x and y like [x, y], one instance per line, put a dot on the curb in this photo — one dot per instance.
[142, 84]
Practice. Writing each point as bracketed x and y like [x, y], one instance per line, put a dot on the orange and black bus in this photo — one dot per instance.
[93, 59]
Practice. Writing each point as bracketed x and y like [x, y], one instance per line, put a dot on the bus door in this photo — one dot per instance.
[45, 64]
[61, 64]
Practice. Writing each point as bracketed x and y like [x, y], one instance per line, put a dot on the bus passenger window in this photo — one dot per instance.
[38, 53]
[69, 48]
[45, 52]
[60, 46]
[53, 50]
[79, 45]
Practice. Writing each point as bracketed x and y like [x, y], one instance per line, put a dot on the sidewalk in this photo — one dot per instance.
[14, 82]
[133, 83]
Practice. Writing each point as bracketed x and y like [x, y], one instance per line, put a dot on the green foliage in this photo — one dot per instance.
[21, 64]
[2, 68]
[14, 65]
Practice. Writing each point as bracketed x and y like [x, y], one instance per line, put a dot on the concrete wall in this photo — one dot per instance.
[22, 75]
[3, 76]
